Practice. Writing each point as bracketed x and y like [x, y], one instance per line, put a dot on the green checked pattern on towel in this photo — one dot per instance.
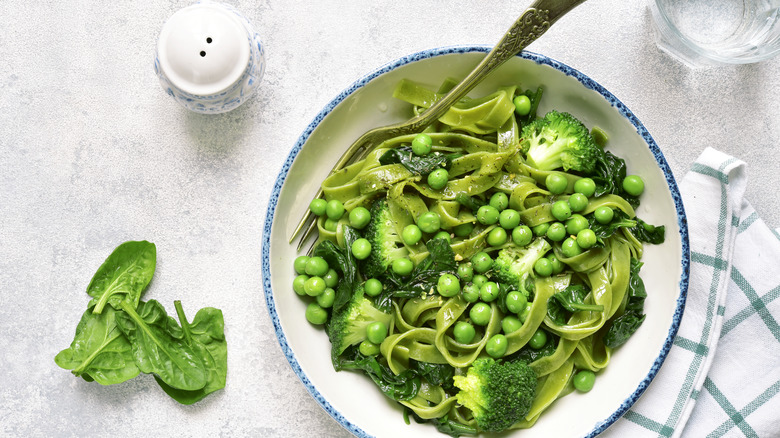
[722, 375]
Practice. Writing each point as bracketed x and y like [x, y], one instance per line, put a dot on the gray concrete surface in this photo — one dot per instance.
[93, 153]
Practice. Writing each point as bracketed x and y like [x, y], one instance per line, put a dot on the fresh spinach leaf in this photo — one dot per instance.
[123, 276]
[159, 347]
[206, 336]
[417, 164]
[99, 351]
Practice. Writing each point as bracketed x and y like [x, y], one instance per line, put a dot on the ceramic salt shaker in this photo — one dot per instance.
[209, 58]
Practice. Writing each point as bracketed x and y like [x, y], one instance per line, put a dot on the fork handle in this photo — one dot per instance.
[531, 25]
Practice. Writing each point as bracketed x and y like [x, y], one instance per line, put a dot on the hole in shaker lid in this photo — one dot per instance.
[202, 53]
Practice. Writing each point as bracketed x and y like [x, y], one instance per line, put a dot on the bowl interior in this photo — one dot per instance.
[352, 398]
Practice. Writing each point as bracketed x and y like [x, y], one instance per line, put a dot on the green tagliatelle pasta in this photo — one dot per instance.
[580, 295]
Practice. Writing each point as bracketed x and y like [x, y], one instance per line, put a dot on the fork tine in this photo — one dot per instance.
[309, 231]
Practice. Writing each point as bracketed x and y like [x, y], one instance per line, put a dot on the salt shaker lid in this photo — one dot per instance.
[203, 49]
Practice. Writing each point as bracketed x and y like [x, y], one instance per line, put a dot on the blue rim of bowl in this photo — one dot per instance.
[539, 59]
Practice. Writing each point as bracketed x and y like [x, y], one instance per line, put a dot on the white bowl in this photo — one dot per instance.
[353, 399]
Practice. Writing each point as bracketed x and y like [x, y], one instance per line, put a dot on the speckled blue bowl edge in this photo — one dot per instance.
[539, 59]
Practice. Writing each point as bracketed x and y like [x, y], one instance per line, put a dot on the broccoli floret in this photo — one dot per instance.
[499, 394]
[348, 323]
[514, 264]
[386, 244]
[559, 140]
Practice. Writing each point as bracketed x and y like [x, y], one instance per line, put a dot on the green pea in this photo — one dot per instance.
[480, 313]
[604, 214]
[372, 287]
[317, 206]
[429, 222]
[522, 235]
[575, 224]
[316, 266]
[561, 210]
[411, 234]
[515, 301]
[543, 267]
[633, 185]
[487, 215]
[470, 293]
[541, 229]
[438, 179]
[522, 105]
[299, 284]
[300, 264]
[463, 230]
[570, 247]
[463, 332]
[586, 186]
[496, 237]
[586, 238]
[481, 262]
[578, 202]
[361, 248]
[421, 144]
[316, 314]
[557, 265]
[509, 219]
[538, 339]
[496, 346]
[314, 286]
[556, 232]
[442, 235]
[510, 324]
[584, 380]
[556, 183]
[489, 291]
[331, 278]
[376, 332]
[499, 201]
[331, 225]
[402, 266]
[465, 271]
[479, 280]
[359, 217]
[334, 209]
[448, 285]
[368, 348]
[326, 298]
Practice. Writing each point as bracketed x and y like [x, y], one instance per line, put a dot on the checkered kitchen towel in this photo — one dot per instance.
[722, 375]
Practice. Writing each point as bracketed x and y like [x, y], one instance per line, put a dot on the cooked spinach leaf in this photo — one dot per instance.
[401, 387]
[343, 261]
[123, 276]
[626, 324]
[424, 277]
[649, 233]
[417, 164]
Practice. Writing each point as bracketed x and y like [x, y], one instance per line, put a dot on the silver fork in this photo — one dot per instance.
[533, 22]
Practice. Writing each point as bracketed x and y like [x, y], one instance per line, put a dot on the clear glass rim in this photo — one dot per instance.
[667, 26]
